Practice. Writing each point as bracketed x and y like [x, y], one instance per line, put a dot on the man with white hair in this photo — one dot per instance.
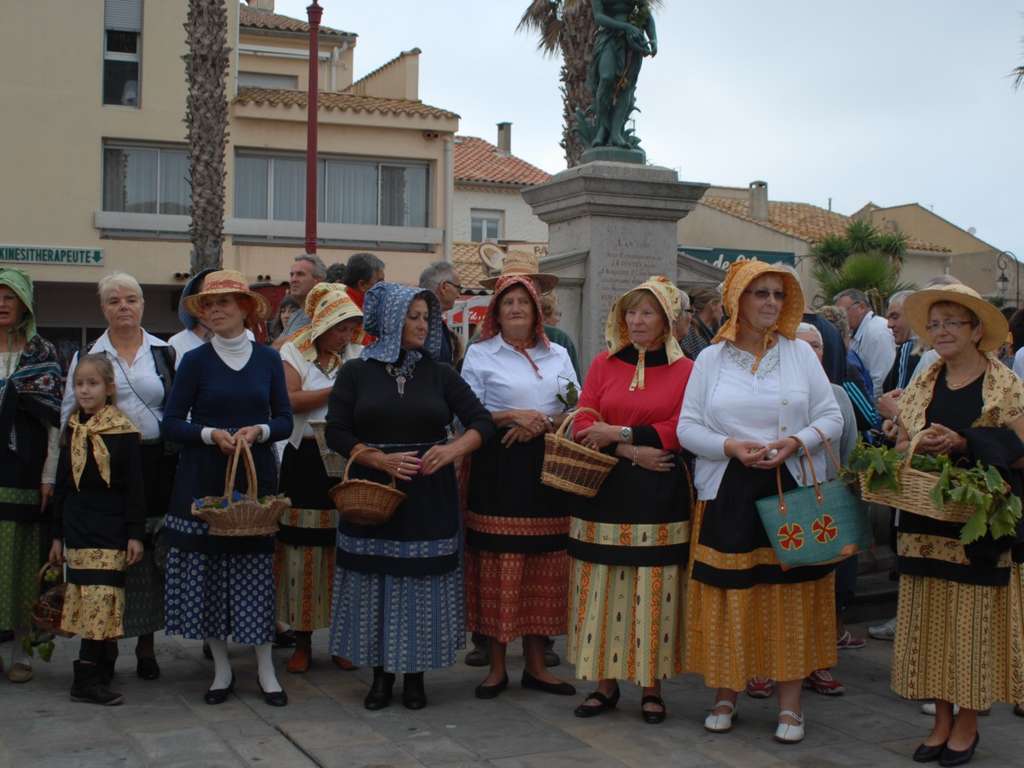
[872, 339]
[440, 279]
[307, 270]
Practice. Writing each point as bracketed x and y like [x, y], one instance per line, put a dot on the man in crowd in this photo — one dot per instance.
[307, 270]
[441, 280]
[872, 339]
[685, 319]
[707, 316]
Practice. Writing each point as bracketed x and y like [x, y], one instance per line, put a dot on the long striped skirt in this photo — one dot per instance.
[304, 569]
[20, 560]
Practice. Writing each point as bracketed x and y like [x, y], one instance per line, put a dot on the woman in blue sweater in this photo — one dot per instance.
[228, 390]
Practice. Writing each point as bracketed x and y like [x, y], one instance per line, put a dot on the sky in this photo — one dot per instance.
[889, 101]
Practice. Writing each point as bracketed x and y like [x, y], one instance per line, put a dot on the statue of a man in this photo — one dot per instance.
[625, 35]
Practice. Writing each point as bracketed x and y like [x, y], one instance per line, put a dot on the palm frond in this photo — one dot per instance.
[545, 18]
[1018, 77]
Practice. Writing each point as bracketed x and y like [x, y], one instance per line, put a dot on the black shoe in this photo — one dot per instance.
[1018, 710]
[147, 668]
[649, 716]
[478, 657]
[926, 754]
[219, 695]
[275, 699]
[559, 689]
[6, 635]
[413, 695]
[379, 695]
[605, 703]
[107, 664]
[90, 689]
[551, 658]
[285, 639]
[952, 757]
[492, 691]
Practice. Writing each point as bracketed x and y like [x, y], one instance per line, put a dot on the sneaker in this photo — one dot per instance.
[885, 631]
[821, 681]
[760, 687]
[847, 642]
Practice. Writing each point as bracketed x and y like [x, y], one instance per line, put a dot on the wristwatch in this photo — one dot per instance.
[626, 433]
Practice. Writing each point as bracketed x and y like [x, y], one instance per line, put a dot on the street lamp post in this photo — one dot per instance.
[1003, 282]
[314, 13]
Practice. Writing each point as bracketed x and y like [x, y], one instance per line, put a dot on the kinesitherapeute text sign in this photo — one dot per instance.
[37, 254]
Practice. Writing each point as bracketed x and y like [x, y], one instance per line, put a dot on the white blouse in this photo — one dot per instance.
[312, 379]
[504, 380]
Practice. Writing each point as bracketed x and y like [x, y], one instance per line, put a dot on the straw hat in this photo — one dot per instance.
[227, 281]
[740, 275]
[327, 305]
[522, 263]
[993, 324]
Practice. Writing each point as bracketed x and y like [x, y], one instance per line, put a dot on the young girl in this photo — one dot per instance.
[99, 520]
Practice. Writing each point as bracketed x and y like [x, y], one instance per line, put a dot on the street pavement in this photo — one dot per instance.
[166, 723]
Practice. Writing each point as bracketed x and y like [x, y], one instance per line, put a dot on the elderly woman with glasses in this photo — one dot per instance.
[756, 398]
[959, 623]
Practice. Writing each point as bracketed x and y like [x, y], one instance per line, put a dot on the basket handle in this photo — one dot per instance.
[46, 567]
[689, 480]
[829, 451]
[914, 442]
[250, 470]
[231, 470]
[351, 461]
[243, 453]
[571, 417]
[814, 477]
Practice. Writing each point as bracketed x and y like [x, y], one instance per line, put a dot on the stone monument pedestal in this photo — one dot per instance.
[613, 225]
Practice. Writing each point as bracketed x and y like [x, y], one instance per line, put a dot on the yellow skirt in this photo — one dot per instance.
[961, 643]
[304, 575]
[626, 622]
[94, 611]
[780, 631]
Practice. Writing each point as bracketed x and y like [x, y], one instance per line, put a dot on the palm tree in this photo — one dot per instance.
[861, 258]
[206, 116]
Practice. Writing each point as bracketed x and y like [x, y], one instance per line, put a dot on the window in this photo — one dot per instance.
[122, 25]
[485, 225]
[348, 191]
[266, 80]
[140, 179]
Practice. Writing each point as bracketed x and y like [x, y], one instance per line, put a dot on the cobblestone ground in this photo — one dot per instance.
[166, 723]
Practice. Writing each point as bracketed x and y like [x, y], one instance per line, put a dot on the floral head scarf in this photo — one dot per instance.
[20, 282]
[740, 275]
[384, 311]
[326, 305]
[490, 328]
[616, 332]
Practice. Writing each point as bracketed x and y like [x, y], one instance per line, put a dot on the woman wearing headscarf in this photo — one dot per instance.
[304, 561]
[755, 397]
[628, 545]
[960, 621]
[398, 590]
[30, 393]
[516, 566]
[228, 390]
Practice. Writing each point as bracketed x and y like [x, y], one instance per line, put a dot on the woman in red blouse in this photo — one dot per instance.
[629, 545]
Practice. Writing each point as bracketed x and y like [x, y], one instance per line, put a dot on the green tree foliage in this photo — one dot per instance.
[862, 258]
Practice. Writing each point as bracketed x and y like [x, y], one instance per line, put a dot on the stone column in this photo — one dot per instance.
[619, 221]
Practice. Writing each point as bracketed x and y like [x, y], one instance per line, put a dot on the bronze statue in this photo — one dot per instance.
[625, 35]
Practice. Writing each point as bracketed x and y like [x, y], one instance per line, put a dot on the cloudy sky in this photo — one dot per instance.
[892, 101]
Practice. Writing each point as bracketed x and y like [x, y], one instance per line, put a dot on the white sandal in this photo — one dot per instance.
[786, 733]
[721, 723]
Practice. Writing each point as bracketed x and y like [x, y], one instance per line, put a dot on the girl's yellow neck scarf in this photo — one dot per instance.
[107, 421]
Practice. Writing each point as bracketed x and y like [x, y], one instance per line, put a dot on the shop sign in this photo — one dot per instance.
[723, 257]
[57, 255]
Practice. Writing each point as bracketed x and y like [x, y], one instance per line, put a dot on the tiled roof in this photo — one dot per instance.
[251, 18]
[345, 102]
[800, 220]
[480, 161]
[470, 267]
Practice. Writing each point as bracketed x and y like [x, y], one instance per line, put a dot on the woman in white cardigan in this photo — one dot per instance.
[752, 396]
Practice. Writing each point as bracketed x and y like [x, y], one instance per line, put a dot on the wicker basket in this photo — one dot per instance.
[48, 607]
[364, 502]
[571, 467]
[914, 495]
[246, 515]
[334, 462]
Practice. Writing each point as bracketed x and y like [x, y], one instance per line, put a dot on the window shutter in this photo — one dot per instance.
[122, 15]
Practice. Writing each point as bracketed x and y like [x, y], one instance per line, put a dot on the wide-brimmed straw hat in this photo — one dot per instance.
[227, 281]
[523, 263]
[327, 305]
[993, 324]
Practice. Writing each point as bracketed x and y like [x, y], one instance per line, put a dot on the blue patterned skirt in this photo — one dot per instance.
[218, 595]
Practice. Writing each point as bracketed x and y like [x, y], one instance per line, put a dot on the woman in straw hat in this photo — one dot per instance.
[755, 395]
[304, 561]
[30, 392]
[516, 566]
[398, 591]
[628, 545]
[959, 626]
[228, 390]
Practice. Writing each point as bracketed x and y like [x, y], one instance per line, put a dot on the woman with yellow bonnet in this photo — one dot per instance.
[755, 395]
[959, 626]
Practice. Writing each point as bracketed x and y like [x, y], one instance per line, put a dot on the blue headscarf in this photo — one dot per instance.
[191, 288]
[384, 313]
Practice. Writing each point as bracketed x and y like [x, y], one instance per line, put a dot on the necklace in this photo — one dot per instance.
[399, 377]
[970, 378]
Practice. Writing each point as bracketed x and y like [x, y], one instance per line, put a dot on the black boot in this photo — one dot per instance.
[380, 692]
[89, 688]
[106, 664]
[413, 695]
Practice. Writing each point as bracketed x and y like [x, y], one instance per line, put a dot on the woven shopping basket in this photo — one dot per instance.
[914, 494]
[236, 514]
[334, 462]
[48, 607]
[364, 502]
[571, 467]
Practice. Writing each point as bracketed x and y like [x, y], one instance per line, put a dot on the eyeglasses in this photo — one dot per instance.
[689, 311]
[763, 294]
[948, 325]
[454, 285]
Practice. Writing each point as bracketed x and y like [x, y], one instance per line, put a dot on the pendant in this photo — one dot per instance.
[400, 381]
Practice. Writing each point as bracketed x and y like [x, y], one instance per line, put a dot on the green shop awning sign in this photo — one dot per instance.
[41, 254]
[723, 257]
